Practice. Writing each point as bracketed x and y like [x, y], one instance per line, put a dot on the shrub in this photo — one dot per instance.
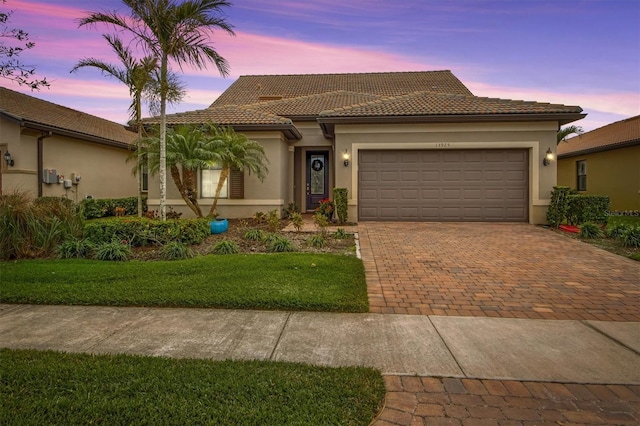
[260, 217]
[297, 221]
[281, 245]
[176, 250]
[290, 210]
[590, 230]
[94, 208]
[74, 248]
[340, 234]
[317, 241]
[587, 208]
[254, 235]
[321, 222]
[32, 228]
[225, 247]
[559, 205]
[144, 232]
[273, 221]
[325, 208]
[114, 251]
[631, 238]
[340, 195]
[617, 231]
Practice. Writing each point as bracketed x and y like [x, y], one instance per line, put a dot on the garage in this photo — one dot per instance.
[475, 185]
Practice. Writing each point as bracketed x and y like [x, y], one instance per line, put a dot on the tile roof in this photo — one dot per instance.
[48, 115]
[312, 105]
[251, 88]
[429, 103]
[226, 115]
[621, 133]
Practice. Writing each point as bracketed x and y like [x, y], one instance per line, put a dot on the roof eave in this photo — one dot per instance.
[599, 149]
[289, 130]
[328, 123]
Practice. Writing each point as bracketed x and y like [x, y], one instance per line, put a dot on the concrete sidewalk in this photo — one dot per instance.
[593, 352]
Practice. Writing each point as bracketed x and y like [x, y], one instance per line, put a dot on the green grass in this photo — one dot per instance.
[55, 388]
[286, 281]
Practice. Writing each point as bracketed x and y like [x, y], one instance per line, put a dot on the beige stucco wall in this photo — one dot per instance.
[615, 173]
[535, 137]
[103, 169]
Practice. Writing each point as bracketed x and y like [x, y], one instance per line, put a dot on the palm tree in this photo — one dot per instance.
[138, 76]
[188, 150]
[234, 151]
[569, 130]
[170, 30]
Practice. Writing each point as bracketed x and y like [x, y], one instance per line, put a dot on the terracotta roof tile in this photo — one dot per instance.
[312, 105]
[621, 133]
[429, 103]
[250, 89]
[226, 115]
[40, 112]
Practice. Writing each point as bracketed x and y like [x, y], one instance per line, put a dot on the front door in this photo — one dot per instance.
[317, 178]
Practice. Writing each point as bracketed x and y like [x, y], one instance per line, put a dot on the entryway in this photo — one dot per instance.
[317, 178]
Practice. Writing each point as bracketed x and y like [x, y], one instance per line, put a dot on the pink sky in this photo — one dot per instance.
[290, 38]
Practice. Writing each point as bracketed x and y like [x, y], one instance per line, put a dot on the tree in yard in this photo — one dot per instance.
[170, 29]
[188, 150]
[569, 130]
[140, 77]
[234, 151]
[10, 66]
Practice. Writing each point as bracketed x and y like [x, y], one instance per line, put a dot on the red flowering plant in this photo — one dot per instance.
[326, 208]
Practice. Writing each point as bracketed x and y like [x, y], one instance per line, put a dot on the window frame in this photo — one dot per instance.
[581, 175]
[225, 189]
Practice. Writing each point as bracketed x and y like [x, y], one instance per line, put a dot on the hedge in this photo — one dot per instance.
[587, 208]
[94, 208]
[559, 206]
[340, 197]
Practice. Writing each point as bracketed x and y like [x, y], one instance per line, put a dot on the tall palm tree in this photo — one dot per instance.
[569, 130]
[170, 29]
[188, 150]
[234, 151]
[138, 76]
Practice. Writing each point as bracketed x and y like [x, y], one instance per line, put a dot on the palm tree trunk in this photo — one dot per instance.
[185, 191]
[163, 138]
[224, 173]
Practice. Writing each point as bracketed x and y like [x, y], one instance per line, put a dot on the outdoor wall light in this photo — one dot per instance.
[346, 157]
[548, 158]
[8, 159]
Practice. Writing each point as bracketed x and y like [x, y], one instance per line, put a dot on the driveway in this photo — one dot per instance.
[494, 270]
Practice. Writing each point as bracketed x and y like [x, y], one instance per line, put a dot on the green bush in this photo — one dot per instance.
[559, 205]
[143, 232]
[296, 220]
[281, 244]
[590, 230]
[74, 248]
[340, 234]
[113, 251]
[254, 235]
[587, 208]
[291, 209]
[225, 247]
[33, 228]
[175, 250]
[317, 241]
[631, 238]
[340, 197]
[94, 208]
[273, 221]
[617, 231]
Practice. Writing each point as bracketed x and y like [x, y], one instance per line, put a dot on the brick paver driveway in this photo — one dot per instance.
[496, 270]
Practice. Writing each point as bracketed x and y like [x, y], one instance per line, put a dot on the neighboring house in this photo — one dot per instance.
[58, 151]
[604, 161]
[410, 146]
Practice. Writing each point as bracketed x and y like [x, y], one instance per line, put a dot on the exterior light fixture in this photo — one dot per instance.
[346, 157]
[8, 159]
[548, 158]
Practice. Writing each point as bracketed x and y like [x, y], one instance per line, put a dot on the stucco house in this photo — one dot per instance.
[604, 161]
[50, 150]
[408, 146]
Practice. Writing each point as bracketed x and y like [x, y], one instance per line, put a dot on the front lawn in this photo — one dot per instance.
[56, 388]
[285, 281]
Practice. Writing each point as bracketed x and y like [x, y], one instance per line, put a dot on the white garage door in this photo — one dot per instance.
[443, 185]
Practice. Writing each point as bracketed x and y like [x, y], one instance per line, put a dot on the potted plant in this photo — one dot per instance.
[218, 225]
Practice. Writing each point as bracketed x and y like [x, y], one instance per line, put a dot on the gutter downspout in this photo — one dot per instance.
[41, 160]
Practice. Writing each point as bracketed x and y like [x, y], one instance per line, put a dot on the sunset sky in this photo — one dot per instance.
[574, 52]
